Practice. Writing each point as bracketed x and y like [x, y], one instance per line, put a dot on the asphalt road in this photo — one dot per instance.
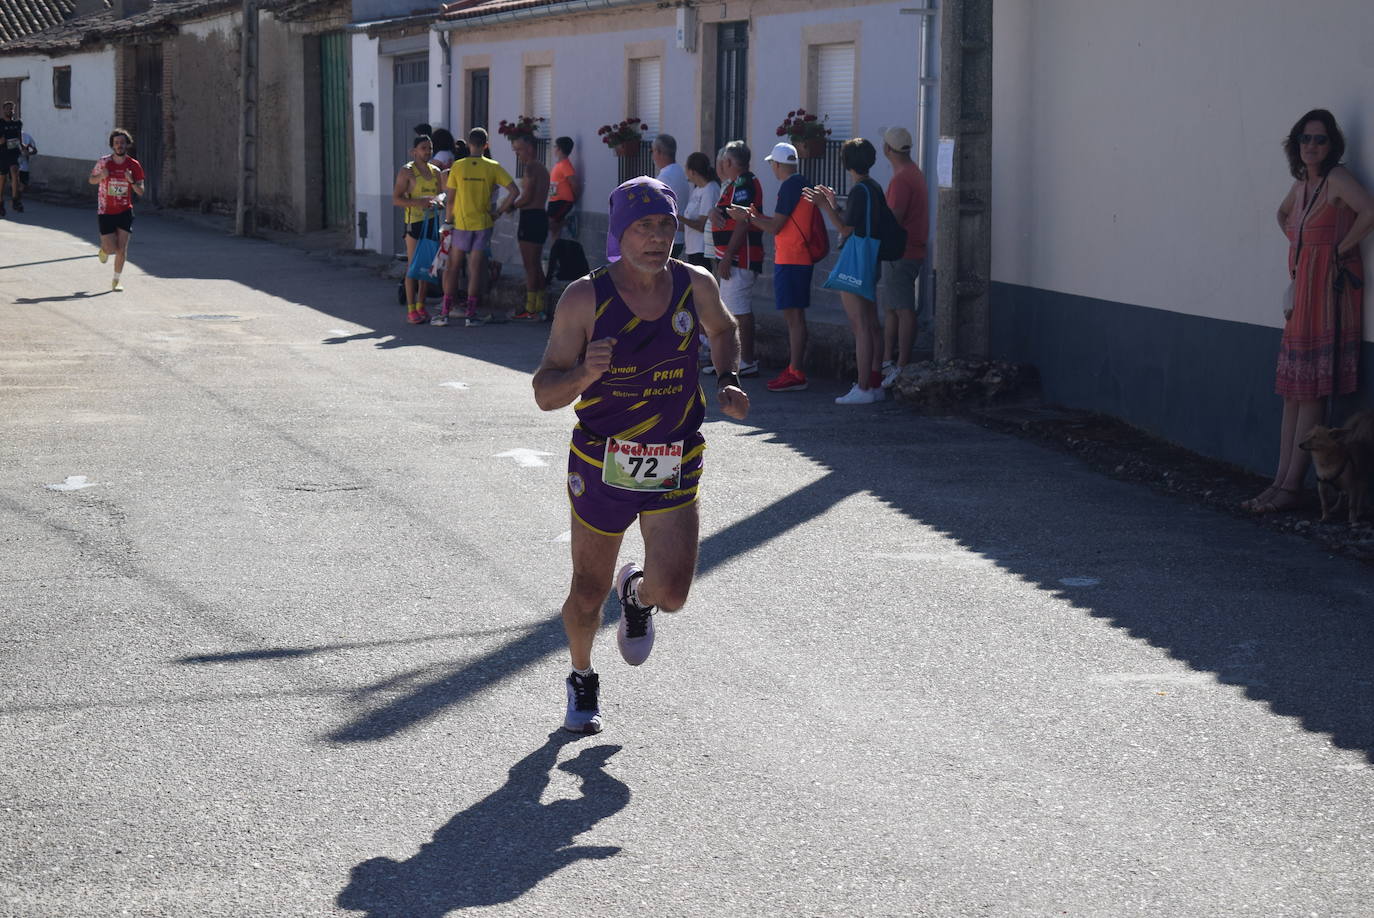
[280, 577]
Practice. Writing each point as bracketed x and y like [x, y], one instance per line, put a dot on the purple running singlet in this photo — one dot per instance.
[649, 397]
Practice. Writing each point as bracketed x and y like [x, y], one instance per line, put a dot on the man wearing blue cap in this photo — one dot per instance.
[623, 347]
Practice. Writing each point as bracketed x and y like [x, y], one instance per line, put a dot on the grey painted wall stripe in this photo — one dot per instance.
[1205, 384]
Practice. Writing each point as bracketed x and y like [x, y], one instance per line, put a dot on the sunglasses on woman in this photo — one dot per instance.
[1317, 139]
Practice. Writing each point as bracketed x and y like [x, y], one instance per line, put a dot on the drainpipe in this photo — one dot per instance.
[927, 135]
[538, 12]
[447, 80]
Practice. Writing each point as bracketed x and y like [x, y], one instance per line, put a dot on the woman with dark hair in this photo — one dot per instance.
[443, 150]
[865, 195]
[695, 217]
[1325, 215]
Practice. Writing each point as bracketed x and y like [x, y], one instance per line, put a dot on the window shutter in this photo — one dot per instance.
[645, 73]
[835, 88]
[539, 84]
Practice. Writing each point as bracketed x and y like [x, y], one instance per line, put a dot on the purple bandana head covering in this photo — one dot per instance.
[634, 200]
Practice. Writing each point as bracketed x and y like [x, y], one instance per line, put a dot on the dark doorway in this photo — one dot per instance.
[479, 89]
[409, 106]
[732, 81]
[148, 118]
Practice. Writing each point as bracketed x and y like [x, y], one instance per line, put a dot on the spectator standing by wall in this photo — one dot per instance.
[563, 188]
[791, 224]
[533, 230]
[696, 217]
[739, 248]
[443, 150]
[908, 198]
[664, 151]
[861, 213]
[1325, 215]
[27, 149]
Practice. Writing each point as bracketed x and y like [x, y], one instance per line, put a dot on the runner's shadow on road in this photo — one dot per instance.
[79, 295]
[501, 847]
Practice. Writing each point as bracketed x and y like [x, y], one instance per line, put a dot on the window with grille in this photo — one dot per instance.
[62, 87]
[644, 103]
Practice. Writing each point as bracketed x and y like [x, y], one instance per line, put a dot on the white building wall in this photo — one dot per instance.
[78, 132]
[371, 188]
[587, 54]
[1137, 148]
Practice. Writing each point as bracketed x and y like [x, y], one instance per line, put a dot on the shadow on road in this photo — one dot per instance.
[1239, 603]
[499, 848]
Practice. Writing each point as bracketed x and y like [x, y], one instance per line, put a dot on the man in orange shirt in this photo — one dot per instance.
[908, 198]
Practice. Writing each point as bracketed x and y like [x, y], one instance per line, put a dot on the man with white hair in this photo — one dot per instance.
[671, 173]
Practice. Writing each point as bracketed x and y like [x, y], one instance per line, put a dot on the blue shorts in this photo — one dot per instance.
[792, 286]
[610, 510]
[472, 240]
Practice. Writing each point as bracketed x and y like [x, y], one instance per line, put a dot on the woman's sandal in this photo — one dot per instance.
[1281, 501]
[1259, 499]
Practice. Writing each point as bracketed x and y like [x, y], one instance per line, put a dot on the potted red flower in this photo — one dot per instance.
[524, 126]
[806, 132]
[624, 138]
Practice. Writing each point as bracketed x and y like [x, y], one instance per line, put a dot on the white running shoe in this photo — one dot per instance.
[857, 396]
[890, 377]
[635, 636]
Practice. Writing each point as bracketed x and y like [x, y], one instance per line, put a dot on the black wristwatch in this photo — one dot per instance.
[728, 379]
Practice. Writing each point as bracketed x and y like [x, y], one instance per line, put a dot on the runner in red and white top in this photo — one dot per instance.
[118, 178]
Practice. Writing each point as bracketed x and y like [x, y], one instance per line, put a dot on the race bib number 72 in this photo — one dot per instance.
[642, 466]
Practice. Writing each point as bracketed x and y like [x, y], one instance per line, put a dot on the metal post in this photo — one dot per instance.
[245, 214]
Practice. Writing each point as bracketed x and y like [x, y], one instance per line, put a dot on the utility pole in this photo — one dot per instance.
[964, 218]
[245, 213]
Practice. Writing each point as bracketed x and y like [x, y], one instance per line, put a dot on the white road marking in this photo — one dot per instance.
[73, 483]
[562, 537]
[525, 458]
[455, 384]
[1079, 581]
[340, 332]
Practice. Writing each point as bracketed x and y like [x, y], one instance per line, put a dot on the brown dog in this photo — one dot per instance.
[1344, 460]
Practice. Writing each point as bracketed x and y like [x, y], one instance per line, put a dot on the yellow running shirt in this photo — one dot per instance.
[425, 186]
[472, 181]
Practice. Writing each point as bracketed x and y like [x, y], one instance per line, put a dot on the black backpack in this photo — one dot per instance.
[567, 260]
[891, 234]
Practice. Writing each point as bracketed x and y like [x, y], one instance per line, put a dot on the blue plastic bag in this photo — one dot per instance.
[426, 247]
[856, 270]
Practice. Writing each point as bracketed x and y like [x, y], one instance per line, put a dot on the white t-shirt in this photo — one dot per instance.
[26, 139]
[699, 204]
[675, 177]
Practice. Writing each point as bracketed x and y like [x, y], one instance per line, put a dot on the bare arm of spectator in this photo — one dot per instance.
[1346, 189]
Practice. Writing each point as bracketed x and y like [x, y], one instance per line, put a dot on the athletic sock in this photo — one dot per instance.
[583, 672]
[448, 304]
[539, 301]
[529, 301]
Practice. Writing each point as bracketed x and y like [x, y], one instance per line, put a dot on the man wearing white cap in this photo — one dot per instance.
[793, 224]
[908, 199]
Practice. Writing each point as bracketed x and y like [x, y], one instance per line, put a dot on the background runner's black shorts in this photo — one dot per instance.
[557, 210]
[534, 226]
[111, 222]
[413, 230]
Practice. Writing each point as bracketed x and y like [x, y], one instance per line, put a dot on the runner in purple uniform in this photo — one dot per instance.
[622, 347]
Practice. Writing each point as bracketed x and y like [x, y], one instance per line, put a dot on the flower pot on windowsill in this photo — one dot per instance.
[811, 149]
[628, 148]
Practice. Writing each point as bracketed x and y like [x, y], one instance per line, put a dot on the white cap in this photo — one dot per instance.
[783, 153]
[898, 138]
